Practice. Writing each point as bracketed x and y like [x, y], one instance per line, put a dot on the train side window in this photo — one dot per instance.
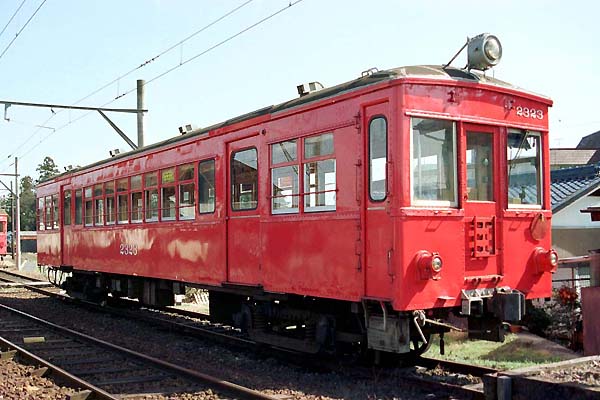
[109, 203]
[378, 159]
[284, 178]
[524, 156]
[136, 199]
[98, 205]
[55, 216]
[168, 193]
[40, 213]
[89, 206]
[67, 207]
[122, 201]
[187, 191]
[244, 180]
[151, 196]
[319, 175]
[48, 212]
[78, 207]
[206, 186]
[433, 162]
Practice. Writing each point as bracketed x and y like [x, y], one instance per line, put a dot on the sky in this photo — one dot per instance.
[70, 49]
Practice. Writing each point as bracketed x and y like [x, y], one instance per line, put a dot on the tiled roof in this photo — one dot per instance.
[591, 141]
[570, 184]
[572, 156]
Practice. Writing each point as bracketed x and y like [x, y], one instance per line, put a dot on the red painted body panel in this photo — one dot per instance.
[362, 249]
[3, 230]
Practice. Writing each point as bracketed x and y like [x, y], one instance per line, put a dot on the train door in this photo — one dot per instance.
[379, 232]
[64, 222]
[481, 202]
[243, 217]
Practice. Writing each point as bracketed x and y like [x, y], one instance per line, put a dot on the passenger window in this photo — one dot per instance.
[89, 206]
[187, 191]
[378, 159]
[122, 200]
[55, 218]
[284, 178]
[206, 186]
[151, 196]
[78, 207]
[111, 209]
[244, 180]
[433, 163]
[40, 213]
[98, 205]
[319, 175]
[67, 207]
[136, 199]
[167, 198]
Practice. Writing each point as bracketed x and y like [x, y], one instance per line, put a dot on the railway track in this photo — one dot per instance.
[107, 370]
[198, 325]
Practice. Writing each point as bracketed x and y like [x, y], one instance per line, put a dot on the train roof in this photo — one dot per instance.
[372, 77]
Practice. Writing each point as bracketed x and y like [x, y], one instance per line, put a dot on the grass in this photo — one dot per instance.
[513, 353]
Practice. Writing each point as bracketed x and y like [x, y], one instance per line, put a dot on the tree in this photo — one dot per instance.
[47, 169]
[27, 203]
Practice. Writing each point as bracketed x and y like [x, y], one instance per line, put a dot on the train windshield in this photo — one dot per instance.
[524, 168]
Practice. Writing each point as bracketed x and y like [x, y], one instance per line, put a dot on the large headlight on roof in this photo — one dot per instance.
[484, 51]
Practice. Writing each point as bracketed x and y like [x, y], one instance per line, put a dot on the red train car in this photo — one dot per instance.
[356, 216]
[3, 234]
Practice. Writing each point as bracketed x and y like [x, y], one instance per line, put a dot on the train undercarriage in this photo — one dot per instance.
[370, 330]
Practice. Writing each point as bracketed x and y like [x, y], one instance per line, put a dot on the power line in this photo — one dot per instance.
[145, 63]
[248, 28]
[11, 18]
[291, 4]
[21, 30]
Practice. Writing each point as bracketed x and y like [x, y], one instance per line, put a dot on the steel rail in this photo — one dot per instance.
[454, 366]
[70, 379]
[190, 374]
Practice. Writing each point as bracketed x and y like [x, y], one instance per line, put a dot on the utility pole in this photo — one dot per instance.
[17, 219]
[140, 112]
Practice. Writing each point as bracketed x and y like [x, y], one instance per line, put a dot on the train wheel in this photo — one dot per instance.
[418, 346]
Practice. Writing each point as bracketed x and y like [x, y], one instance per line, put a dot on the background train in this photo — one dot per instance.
[355, 217]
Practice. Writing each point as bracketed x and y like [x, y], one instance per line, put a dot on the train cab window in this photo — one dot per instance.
[109, 203]
[98, 205]
[378, 159]
[319, 174]
[284, 178]
[187, 191]
[480, 182]
[433, 162]
[206, 186]
[151, 196]
[524, 169]
[244, 180]
[40, 214]
[136, 199]
[67, 207]
[167, 193]
[89, 206]
[122, 201]
[78, 207]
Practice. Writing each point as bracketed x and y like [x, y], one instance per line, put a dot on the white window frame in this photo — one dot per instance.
[540, 174]
[433, 203]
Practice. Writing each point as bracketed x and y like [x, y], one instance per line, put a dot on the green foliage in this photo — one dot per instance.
[47, 169]
[27, 204]
[537, 320]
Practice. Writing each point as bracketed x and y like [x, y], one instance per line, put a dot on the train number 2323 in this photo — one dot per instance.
[529, 112]
[128, 249]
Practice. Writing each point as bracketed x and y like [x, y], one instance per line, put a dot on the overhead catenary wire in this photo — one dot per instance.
[13, 16]
[157, 77]
[22, 28]
[117, 79]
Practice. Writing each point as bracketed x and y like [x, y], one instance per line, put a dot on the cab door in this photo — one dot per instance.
[243, 217]
[482, 239]
[379, 232]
